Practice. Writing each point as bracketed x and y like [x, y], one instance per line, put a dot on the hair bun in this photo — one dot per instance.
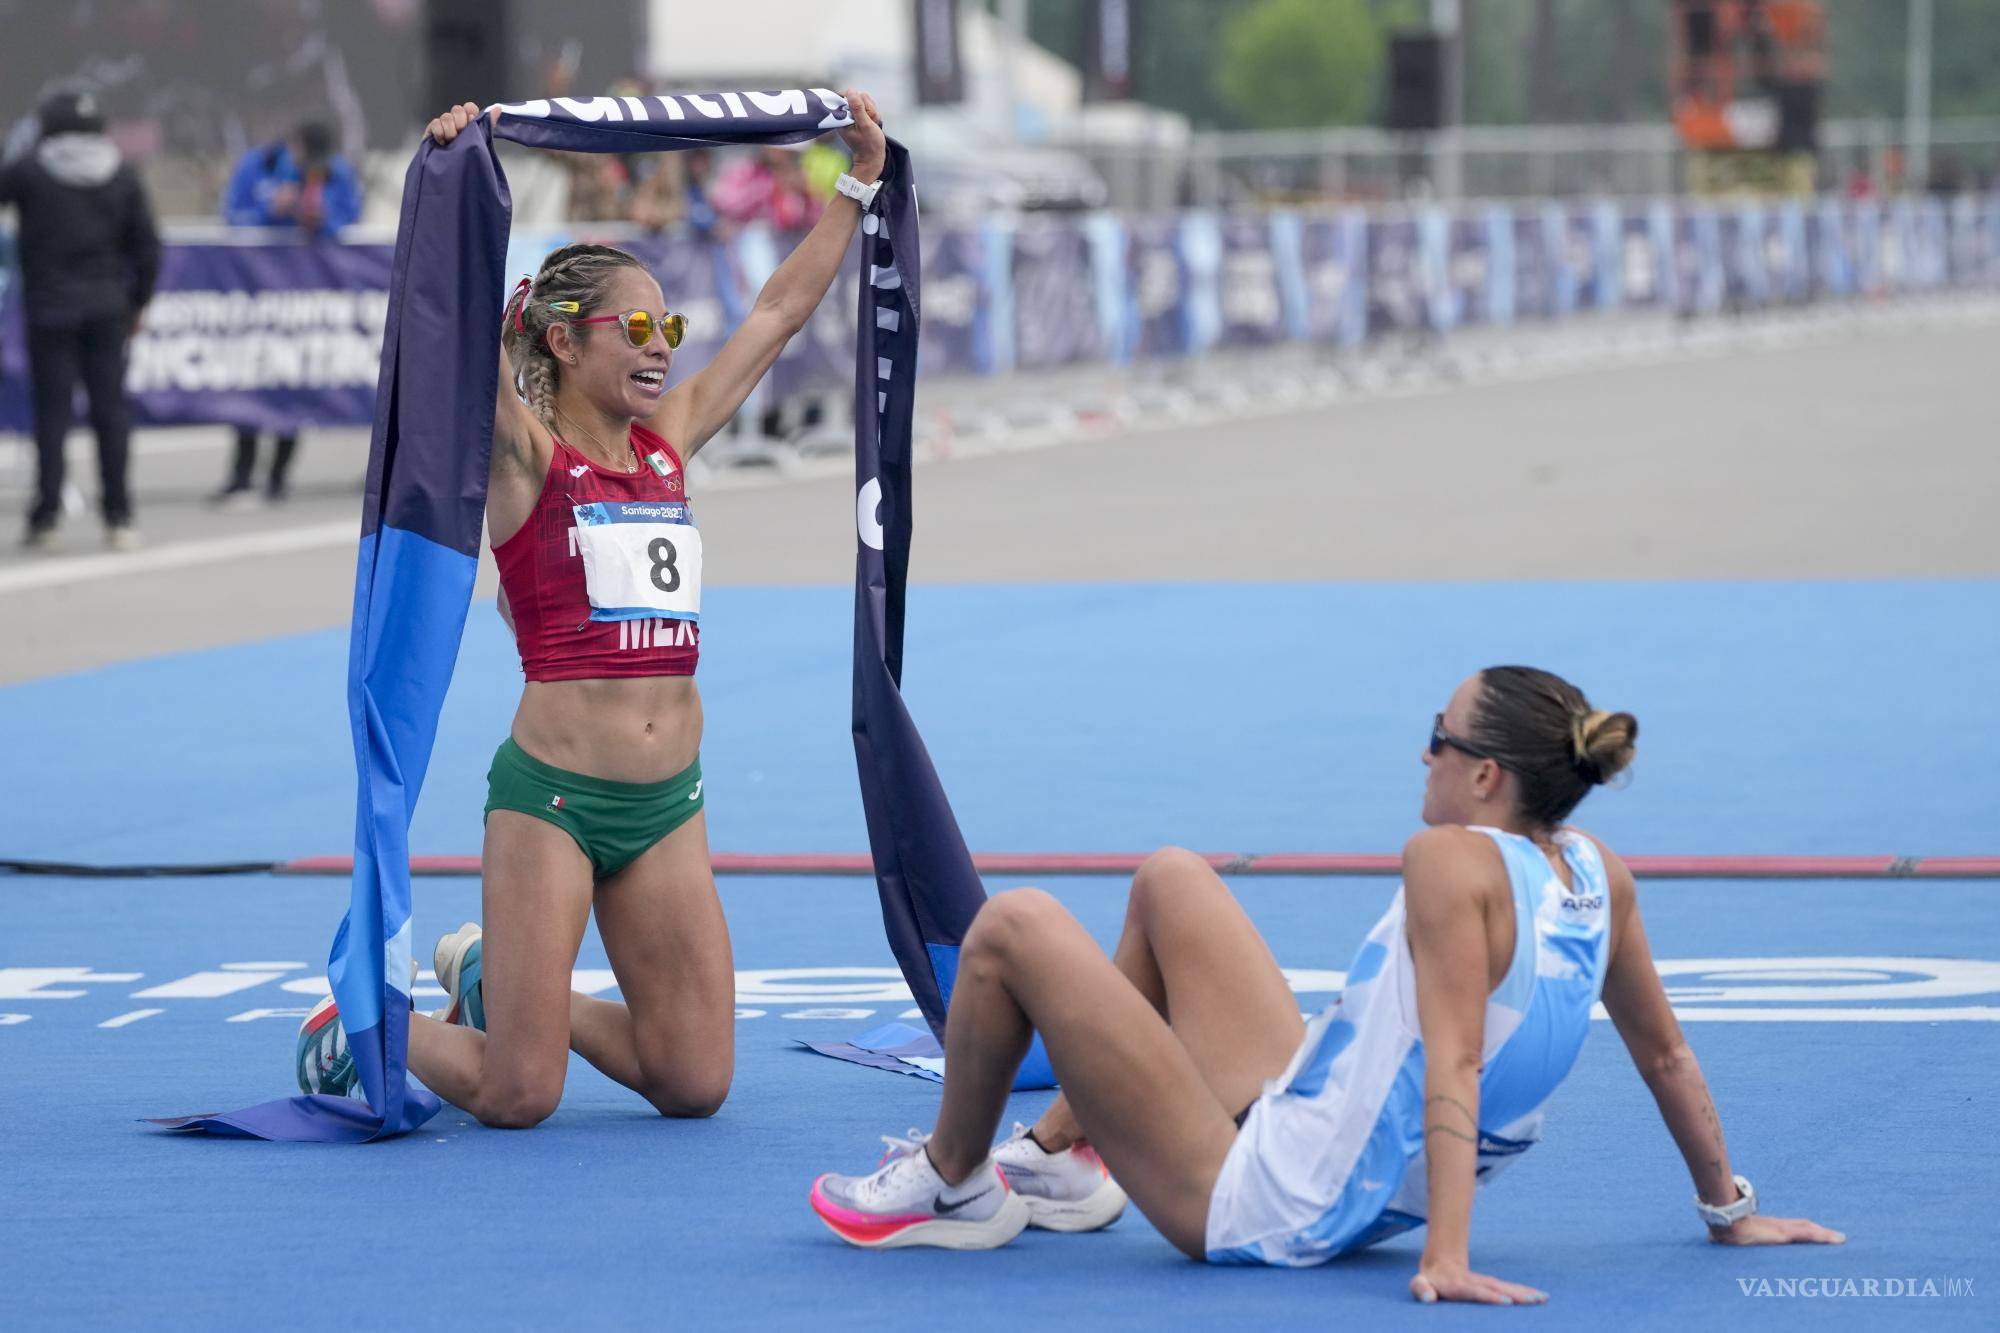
[1602, 744]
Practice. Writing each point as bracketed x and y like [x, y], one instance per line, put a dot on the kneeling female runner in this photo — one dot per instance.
[595, 798]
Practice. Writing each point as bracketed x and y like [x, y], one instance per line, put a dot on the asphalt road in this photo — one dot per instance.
[1868, 453]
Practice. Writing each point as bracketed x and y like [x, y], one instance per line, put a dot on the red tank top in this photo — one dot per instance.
[541, 572]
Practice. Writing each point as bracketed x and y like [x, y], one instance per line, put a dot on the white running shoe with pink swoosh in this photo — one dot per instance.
[1070, 1190]
[906, 1202]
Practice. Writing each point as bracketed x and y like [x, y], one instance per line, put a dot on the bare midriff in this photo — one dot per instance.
[633, 729]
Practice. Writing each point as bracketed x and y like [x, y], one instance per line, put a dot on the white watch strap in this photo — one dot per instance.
[863, 195]
[1731, 1213]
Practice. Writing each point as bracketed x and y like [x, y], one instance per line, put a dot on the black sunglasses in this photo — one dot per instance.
[1441, 738]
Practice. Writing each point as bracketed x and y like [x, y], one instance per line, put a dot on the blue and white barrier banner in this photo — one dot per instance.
[820, 359]
[1479, 267]
[1396, 298]
[1829, 241]
[1055, 297]
[1251, 297]
[269, 335]
[1592, 280]
[273, 334]
[1787, 261]
[1333, 254]
[957, 335]
[1535, 265]
[1157, 290]
[1742, 231]
[1646, 275]
[1699, 278]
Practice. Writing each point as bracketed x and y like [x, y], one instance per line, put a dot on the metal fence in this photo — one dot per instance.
[1502, 162]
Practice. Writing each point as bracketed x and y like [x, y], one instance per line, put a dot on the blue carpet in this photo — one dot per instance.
[608, 1216]
[1778, 718]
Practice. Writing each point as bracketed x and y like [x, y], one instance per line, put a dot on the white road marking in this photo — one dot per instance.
[179, 555]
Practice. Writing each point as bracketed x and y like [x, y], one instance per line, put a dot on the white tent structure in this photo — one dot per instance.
[866, 43]
[981, 155]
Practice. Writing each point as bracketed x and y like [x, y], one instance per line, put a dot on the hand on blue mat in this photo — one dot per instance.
[1776, 1231]
[1436, 1282]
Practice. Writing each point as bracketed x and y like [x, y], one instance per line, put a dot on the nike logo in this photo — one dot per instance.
[943, 1209]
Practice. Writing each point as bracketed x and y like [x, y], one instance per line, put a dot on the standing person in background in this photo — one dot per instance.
[89, 258]
[302, 183]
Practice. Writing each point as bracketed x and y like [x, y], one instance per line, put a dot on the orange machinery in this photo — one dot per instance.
[1744, 78]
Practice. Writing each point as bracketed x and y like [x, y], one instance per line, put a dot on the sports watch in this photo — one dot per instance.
[1730, 1213]
[863, 195]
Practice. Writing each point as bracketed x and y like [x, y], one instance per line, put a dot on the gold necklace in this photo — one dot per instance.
[631, 464]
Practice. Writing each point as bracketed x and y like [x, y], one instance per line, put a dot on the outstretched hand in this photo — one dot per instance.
[1456, 1282]
[1776, 1231]
[864, 137]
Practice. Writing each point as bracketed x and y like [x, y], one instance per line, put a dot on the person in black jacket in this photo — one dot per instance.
[89, 258]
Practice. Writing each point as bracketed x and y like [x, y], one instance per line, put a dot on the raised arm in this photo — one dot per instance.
[694, 410]
[1450, 880]
[1645, 1021]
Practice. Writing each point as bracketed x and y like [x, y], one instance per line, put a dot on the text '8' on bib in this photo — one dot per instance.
[640, 559]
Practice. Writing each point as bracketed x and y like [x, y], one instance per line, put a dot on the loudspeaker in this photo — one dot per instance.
[1416, 81]
[466, 53]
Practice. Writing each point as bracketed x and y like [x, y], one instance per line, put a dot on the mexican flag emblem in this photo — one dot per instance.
[660, 463]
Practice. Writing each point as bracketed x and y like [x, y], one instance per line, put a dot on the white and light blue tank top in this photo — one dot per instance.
[1331, 1157]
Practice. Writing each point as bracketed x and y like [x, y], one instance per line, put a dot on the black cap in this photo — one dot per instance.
[71, 113]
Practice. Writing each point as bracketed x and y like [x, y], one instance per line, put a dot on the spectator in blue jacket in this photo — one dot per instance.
[296, 183]
[300, 182]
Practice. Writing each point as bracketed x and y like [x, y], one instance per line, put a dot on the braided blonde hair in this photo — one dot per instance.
[581, 273]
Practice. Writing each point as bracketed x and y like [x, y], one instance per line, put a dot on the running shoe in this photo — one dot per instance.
[325, 1064]
[323, 1061]
[1071, 1190]
[906, 1202]
[456, 962]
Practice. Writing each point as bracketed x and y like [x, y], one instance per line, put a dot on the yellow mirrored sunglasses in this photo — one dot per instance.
[638, 324]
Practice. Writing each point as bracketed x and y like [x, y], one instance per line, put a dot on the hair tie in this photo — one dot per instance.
[519, 302]
[1579, 743]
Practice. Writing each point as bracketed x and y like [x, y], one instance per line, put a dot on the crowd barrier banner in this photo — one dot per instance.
[1334, 257]
[269, 336]
[276, 334]
[956, 337]
[1156, 278]
[1394, 285]
[1055, 297]
[1250, 292]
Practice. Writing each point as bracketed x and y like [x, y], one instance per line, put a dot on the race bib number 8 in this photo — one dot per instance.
[641, 559]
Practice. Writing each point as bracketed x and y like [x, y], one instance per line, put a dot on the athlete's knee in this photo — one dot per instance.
[683, 1088]
[1168, 877]
[692, 1095]
[1008, 921]
[519, 1103]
